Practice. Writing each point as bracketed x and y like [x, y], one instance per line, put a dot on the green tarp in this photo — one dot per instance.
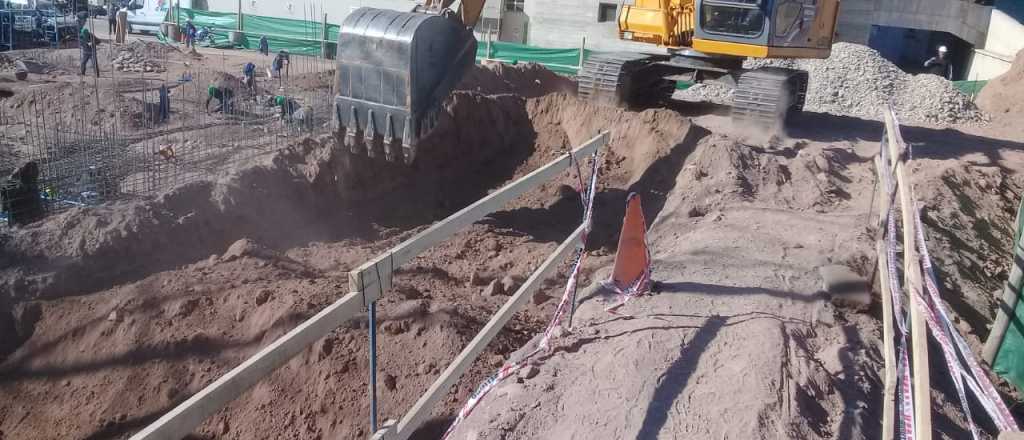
[1009, 362]
[296, 36]
[565, 61]
[971, 88]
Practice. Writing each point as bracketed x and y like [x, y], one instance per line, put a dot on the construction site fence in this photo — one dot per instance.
[369, 283]
[100, 140]
[315, 36]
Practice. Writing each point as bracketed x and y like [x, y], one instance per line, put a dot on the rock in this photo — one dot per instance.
[186, 307]
[114, 316]
[390, 382]
[695, 211]
[540, 298]
[327, 347]
[409, 292]
[240, 249]
[395, 327]
[477, 279]
[171, 392]
[529, 372]
[425, 368]
[845, 287]
[224, 427]
[493, 289]
[240, 316]
[262, 297]
[508, 285]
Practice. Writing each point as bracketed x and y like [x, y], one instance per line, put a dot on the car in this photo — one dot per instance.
[96, 11]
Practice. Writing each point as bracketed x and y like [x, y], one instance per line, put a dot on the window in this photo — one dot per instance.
[731, 20]
[607, 12]
[514, 5]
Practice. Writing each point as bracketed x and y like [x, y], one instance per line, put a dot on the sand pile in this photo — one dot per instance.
[1003, 97]
[857, 81]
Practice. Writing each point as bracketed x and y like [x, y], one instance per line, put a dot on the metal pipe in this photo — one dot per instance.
[373, 365]
[1007, 305]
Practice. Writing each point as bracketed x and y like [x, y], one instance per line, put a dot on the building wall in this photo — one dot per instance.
[563, 24]
[336, 10]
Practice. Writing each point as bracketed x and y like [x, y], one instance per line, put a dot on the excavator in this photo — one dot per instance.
[395, 69]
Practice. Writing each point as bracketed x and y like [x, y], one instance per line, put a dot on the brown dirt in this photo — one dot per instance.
[122, 311]
[1003, 96]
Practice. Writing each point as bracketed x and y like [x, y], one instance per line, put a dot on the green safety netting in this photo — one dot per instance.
[970, 88]
[564, 61]
[296, 36]
[1009, 361]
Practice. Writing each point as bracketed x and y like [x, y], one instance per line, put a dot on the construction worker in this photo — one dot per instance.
[87, 42]
[190, 34]
[939, 64]
[249, 77]
[279, 64]
[111, 19]
[225, 98]
[264, 45]
[294, 113]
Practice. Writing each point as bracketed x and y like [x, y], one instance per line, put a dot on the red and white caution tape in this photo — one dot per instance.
[947, 335]
[568, 297]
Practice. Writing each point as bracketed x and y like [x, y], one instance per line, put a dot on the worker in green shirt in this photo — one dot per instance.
[87, 42]
[224, 96]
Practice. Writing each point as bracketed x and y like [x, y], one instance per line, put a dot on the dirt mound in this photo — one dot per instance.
[1002, 96]
[529, 80]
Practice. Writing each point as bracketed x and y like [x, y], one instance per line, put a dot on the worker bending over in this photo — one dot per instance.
[225, 98]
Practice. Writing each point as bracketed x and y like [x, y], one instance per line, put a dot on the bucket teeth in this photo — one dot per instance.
[389, 139]
[352, 132]
[408, 149]
[369, 134]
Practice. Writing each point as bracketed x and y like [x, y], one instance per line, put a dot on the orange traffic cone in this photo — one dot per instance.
[632, 273]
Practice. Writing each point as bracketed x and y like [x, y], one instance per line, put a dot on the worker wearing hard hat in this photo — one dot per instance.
[939, 64]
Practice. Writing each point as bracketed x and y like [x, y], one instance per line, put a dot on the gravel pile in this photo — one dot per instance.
[139, 57]
[857, 81]
[128, 61]
[6, 63]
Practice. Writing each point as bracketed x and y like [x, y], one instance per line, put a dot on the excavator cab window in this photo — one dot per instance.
[744, 19]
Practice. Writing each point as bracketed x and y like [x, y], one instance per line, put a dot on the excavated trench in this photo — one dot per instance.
[148, 283]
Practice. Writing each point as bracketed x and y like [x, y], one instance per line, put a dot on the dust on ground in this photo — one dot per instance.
[122, 311]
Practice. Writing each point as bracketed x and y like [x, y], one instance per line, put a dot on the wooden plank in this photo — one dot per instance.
[374, 277]
[439, 389]
[888, 335]
[184, 418]
[918, 327]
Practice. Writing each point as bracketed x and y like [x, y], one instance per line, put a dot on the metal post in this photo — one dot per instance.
[1007, 306]
[239, 15]
[373, 366]
[583, 48]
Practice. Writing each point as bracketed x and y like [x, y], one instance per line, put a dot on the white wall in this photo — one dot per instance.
[986, 65]
[336, 10]
[563, 23]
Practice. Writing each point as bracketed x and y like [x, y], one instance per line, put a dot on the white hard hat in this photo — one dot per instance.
[942, 49]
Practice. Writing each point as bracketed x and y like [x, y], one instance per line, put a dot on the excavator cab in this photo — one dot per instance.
[394, 71]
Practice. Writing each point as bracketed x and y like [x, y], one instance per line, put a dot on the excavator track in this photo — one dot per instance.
[623, 79]
[769, 96]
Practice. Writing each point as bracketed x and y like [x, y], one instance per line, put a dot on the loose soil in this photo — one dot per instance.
[120, 312]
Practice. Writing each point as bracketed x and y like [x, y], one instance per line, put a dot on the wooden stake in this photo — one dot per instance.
[888, 347]
[912, 270]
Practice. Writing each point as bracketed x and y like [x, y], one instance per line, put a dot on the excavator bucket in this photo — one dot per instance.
[394, 71]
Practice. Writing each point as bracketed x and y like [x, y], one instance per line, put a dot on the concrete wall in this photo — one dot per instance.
[986, 65]
[964, 19]
[563, 23]
[1005, 38]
